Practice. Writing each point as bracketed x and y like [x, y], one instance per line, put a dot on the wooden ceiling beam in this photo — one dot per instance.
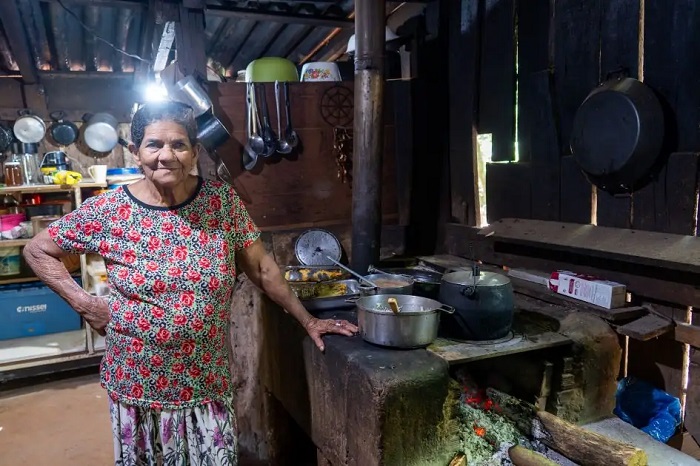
[18, 41]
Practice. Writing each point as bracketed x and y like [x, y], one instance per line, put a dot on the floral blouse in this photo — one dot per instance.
[171, 272]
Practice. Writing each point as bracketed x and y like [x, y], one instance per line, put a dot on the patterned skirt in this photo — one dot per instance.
[200, 436]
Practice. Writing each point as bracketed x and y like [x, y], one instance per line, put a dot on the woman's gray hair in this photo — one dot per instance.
[152, 112]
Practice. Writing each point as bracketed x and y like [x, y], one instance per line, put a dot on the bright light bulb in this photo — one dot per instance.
[155, 92]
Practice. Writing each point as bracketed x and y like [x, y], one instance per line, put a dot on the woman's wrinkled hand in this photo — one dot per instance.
[316, 328]
[95, 311]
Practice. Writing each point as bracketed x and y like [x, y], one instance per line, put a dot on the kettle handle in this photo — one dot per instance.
[446, 308]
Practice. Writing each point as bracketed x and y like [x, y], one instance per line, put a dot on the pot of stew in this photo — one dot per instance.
[391, 284]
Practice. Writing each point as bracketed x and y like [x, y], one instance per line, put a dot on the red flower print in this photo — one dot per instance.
[156, 360]
[138, 279]
[136, 345]
[220, 362]
[195, 371]
[100, 202]
[104, 247]
[206, 358]
[134, 236]
[204, 263]
[197, 325]
[144, 325]
[223, 269]
[225, 248]
[144, 371]
[162, 382]
[123, 273]
[71, 235]
[187, 298]
[186, 394]
[213, 223]
[117, 232]
[130, 362]
[215, 202]
[162, 336]
[209, 310]
[167, 227]
[193, 275]
[154, 243]
[146, 222]
[180, 253]
[157, 312]
[178, 368]
[137, 390]
[91, 228]
[159, 286]
[180, 319]
[129, 256]
[224, 385]
[53, 231]
[124, 211]
[175, 272]
[152, 266]
[213, 331]
[203, 237]
[214, 284]
[188, 347]
[129, 316]
[107, 376]
[195, 217]
[185, 231]
[210, 379]
[120, 373]
[156, 405]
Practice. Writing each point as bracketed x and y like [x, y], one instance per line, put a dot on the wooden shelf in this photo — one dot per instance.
[48, 188]
[12, 281]
[10, 243]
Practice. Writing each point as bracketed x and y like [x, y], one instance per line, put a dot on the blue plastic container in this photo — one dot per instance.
[31, 309]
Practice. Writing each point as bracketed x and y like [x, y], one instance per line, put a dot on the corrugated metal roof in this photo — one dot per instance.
[59, 42]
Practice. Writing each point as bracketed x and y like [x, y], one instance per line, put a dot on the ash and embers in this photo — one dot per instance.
[486, 435]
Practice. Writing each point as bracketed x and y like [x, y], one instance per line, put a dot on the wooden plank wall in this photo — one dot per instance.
[282, 193]
[565, 48]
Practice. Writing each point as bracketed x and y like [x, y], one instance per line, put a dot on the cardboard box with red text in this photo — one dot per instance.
[603, 293]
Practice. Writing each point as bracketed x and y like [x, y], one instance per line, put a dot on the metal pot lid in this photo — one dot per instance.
[466, 278]
[312, 247]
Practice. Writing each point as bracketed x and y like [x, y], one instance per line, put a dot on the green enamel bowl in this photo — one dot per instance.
[271, 69]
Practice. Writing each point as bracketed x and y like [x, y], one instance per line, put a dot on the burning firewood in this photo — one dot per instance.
[521, 456]
[582, 446]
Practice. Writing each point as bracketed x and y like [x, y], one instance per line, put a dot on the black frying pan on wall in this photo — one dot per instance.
[617, 135]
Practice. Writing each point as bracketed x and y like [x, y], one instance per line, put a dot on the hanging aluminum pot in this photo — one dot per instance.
[484, 305]
[29, 128]
[101, 132]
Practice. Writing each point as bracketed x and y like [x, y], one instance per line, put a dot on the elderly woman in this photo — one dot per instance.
[173, 244]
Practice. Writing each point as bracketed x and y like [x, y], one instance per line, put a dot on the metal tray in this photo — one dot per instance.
[334, 302]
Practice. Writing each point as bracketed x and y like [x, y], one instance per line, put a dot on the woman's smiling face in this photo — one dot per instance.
[166, 154]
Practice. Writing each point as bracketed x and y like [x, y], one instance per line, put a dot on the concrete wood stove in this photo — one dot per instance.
[365, 405]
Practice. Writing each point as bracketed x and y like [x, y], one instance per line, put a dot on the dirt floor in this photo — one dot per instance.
[58, 423]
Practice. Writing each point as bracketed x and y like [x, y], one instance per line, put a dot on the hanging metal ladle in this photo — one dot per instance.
[283, 147]
[359, 277]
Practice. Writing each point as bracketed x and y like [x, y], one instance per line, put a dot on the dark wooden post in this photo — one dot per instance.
[368, 133]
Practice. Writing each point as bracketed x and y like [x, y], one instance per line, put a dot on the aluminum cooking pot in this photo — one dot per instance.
[415, 326]
[391, 284]
[29, 128]
[484, 305]
[101, 133]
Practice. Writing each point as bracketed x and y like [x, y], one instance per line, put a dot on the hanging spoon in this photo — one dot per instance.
[268, 134]
[290, 135]
[256, 142]
[283, 146]
[250, 156]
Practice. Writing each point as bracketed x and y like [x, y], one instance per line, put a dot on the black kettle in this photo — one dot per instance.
[484, 305]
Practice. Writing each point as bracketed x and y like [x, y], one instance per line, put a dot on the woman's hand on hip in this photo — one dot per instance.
[95, 311]
[316, 328]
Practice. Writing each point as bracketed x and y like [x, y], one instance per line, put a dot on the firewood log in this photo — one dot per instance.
[579, 445]
[459, 460]
[521, 456]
